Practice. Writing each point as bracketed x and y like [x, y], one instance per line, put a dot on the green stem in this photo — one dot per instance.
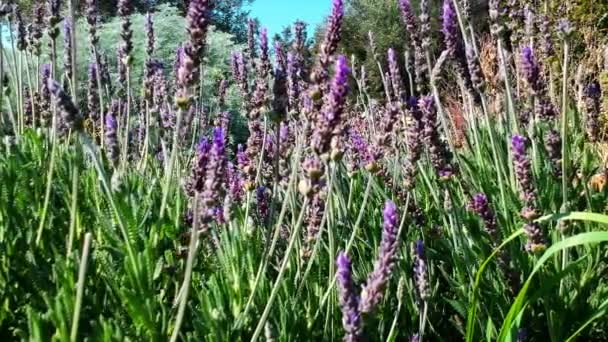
[82, 272]
[275, 289]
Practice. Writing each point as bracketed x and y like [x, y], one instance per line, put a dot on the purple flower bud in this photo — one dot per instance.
[111, 138]
[410, 21]
[93, 92]
[329, 124]
[349, 301]
[263, 197]
[592, 98]
[150, 39]
[553, 145]
[420, 271]
[293, 81]
[92, 18]
[395, 75]
[480, 206]
[198, 24]
[251, 46]
[376, 282]
[69, 114]
[67, 51]
[523, 169]
[531, 71]
[54, 18]
[439, 152]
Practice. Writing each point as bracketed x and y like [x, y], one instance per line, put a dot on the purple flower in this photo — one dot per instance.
[372, 292]
[425, 24]
[553, 145]
[395, 75]
[592, 97]
[523, 169]
[480, 206]
[69, 114]
[54, 18]
[260, 94]
[239, 72]
[34, 29]
[235, 182]
[126, 45]
[196, 183]
[531, 71]
[93, 92]
[67, 50]
[251, 47]
[45, 94]
[349, 301]
[111, 138]
[451, 33]
[22, 42]
[198, 24]
[329, 124]
[328, 47]
[92, 17]
[293, 81]
[420, 271]
[439, 152]
[410, 20]
[150, 39]
[263, 200]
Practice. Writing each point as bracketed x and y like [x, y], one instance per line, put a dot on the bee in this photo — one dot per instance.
[598, 181]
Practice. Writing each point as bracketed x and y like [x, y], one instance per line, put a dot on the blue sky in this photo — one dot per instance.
[276, 14]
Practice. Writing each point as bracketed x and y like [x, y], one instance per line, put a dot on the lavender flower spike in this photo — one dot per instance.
[376, 281]
[351, 317]
[531, 71]
[112, 150]
[420, 271]
[523, 169]
[70, 116]
[329, 125]
[480, 206]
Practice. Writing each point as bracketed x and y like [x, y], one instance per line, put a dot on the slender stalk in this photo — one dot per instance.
[73, 213]
[185, 288]
[169, 166]
[565, 155]
[82, 272]
[275, 289]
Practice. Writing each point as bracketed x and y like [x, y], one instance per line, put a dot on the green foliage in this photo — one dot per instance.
[590, 14]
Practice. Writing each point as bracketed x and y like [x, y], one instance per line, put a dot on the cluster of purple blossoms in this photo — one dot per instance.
[349, 300]
[420, 270]
[208, 176]
[111, 134]
[418, 42]
[413, 128]
[532, 73]
[352, 305]
[523, 172]
[53, 18]
[126, 45]
[35, 28]
[91, 15]
[455, 46]
[45, 95]
[329, 127]
[593, 94]
[69, 115]
[67, 52]
[259, 97]
[22, 41]
[372, 292]
[480, 205]
[93, 92]
[439, 153]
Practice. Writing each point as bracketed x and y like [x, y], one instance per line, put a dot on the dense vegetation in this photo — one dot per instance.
[163, 182]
